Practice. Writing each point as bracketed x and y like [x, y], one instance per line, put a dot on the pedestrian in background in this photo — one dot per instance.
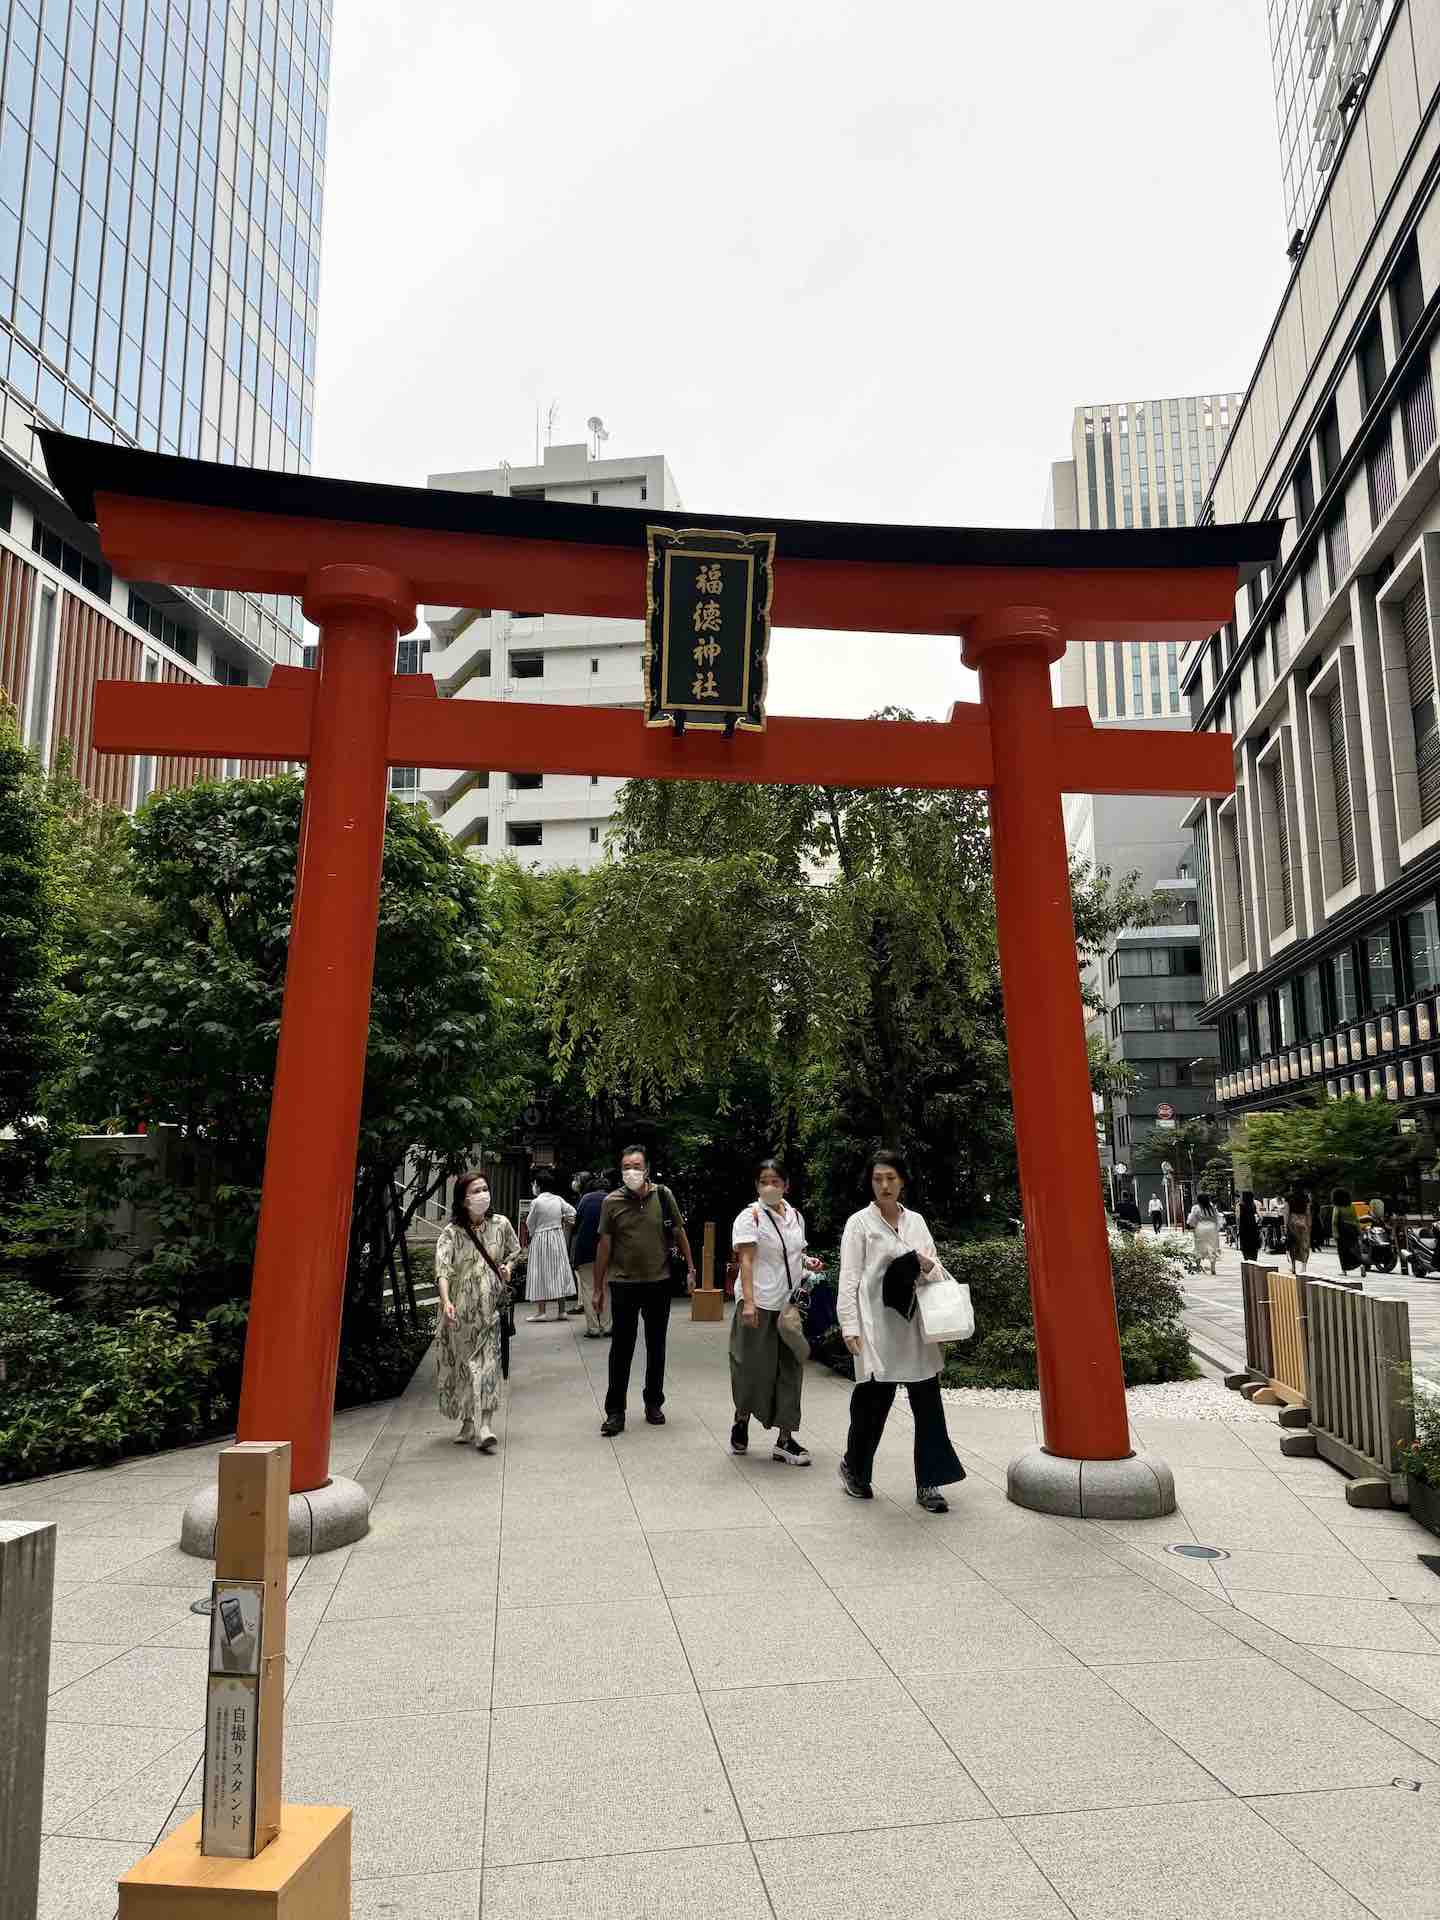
[1297, 1229]
[1204, 1223]
[766, 1371]
[1157, 1214]
[473, 1259]
[1346, 1229]
[639, 1224]
[1248, 1228]
[890, 1348]
[547, 1270]
[1127, 1214]
[584, 1240]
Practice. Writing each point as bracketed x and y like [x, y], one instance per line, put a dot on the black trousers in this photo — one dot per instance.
[630, 1302]
[936, 1462]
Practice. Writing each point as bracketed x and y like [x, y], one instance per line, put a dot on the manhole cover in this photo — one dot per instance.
[200, 1606]
[1188, 1550]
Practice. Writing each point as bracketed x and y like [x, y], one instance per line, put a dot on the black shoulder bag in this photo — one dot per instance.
[678, 1265]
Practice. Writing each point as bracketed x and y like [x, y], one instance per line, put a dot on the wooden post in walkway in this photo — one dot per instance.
[244, 1850]
[27, 1593]
[707, 1302]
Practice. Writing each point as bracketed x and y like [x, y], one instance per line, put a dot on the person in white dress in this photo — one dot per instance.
[891, 1350]
[548, 1273]
[766, 1374]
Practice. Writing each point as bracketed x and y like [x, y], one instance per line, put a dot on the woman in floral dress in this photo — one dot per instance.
[473, 1258]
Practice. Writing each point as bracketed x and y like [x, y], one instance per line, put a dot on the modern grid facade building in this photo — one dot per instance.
[1146, 463]
[1320, 876]
[546, 820]
[161, 185]
[1320, 54]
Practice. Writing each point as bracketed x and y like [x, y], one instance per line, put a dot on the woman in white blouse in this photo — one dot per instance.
[766, 1374]
[889, 1349]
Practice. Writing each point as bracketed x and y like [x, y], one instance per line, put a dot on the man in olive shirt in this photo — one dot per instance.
[633, 1258]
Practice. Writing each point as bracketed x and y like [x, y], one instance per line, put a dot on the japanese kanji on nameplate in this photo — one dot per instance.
[707, 628]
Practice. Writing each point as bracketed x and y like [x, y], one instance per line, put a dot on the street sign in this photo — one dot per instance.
[707, 628]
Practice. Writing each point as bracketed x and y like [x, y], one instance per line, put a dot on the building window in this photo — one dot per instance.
[1312, 590]
[1279, 885]
[1232, 888]
[1340, 780]
[644, 491]
[1380, 473]
[1417, 418]
[1407, 294]
[526, 782]
[525, 833]
[1420, 667]
[1329, 444]
[93, 575]
[161, 627]
[1380, 971]
[229, 675]
[594, 836]
[1370, 358]
[1343, 995]
[1304, 491]
[594, 779]
[527, 666]
[43, 674]
[1422, 949]
[594, 496]
[1312, 1011]
[407, 656]
[1337, 548]
[594, 664]
[1286, 1003]
[405, 782]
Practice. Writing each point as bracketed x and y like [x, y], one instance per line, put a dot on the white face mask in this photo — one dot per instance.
[634, 1178]
[773, 1197]
[477, 1203]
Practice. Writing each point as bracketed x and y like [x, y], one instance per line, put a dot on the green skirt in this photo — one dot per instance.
[765, 1376]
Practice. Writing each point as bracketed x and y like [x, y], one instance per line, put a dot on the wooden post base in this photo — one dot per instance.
[304, 1874]
[707, 1303]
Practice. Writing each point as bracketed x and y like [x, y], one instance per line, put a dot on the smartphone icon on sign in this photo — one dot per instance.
[235, 1637]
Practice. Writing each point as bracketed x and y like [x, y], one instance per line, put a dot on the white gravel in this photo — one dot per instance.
[1173, 1400]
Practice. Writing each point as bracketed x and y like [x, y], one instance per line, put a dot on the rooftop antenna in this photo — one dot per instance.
[598, 434]
[551, 415]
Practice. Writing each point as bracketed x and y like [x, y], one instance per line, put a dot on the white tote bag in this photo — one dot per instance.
[945, 1310]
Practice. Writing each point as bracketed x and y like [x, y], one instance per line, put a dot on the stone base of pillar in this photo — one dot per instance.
[1138, 1488]
[330, 1516]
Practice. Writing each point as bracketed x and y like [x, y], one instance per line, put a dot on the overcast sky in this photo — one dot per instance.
[855, 259]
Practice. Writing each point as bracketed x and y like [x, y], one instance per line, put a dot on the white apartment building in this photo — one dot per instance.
[484, 653]
[1320, 876]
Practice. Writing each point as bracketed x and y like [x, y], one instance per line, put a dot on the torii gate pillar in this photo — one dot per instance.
[1086, 1465]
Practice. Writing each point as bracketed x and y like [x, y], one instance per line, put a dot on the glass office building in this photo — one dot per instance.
[162, 172]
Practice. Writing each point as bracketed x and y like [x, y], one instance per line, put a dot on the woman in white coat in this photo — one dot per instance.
[890, 1350]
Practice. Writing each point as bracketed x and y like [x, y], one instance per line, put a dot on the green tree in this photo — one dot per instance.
[1190, 1146]
[841, 943]
[30, 948]
[1351, 1143]
[181, 1008]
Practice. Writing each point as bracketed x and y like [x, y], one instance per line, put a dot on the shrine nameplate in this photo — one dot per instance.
[707, 628]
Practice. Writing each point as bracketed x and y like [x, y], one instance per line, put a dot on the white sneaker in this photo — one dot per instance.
[791, 1452]
[487, 1442]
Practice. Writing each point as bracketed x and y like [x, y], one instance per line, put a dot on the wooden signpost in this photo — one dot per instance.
[707, 1302]
[245, 1851]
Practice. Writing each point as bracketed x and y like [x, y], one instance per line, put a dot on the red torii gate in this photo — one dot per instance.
[360, 557]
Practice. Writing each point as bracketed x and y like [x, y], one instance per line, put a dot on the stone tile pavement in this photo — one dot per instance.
[640, 1678]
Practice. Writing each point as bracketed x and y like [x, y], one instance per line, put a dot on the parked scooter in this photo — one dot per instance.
[1377, 1246]
[1420, 1254]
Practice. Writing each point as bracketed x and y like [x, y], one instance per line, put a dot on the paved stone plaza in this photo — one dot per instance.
[640, 1678]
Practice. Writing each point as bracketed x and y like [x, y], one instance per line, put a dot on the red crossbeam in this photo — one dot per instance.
[275, 553]
[523, 737]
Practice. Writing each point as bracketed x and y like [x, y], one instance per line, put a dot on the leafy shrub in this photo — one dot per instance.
[1420, 1457]
[1148, 1304]
[76, 1391]
[377, 1361]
